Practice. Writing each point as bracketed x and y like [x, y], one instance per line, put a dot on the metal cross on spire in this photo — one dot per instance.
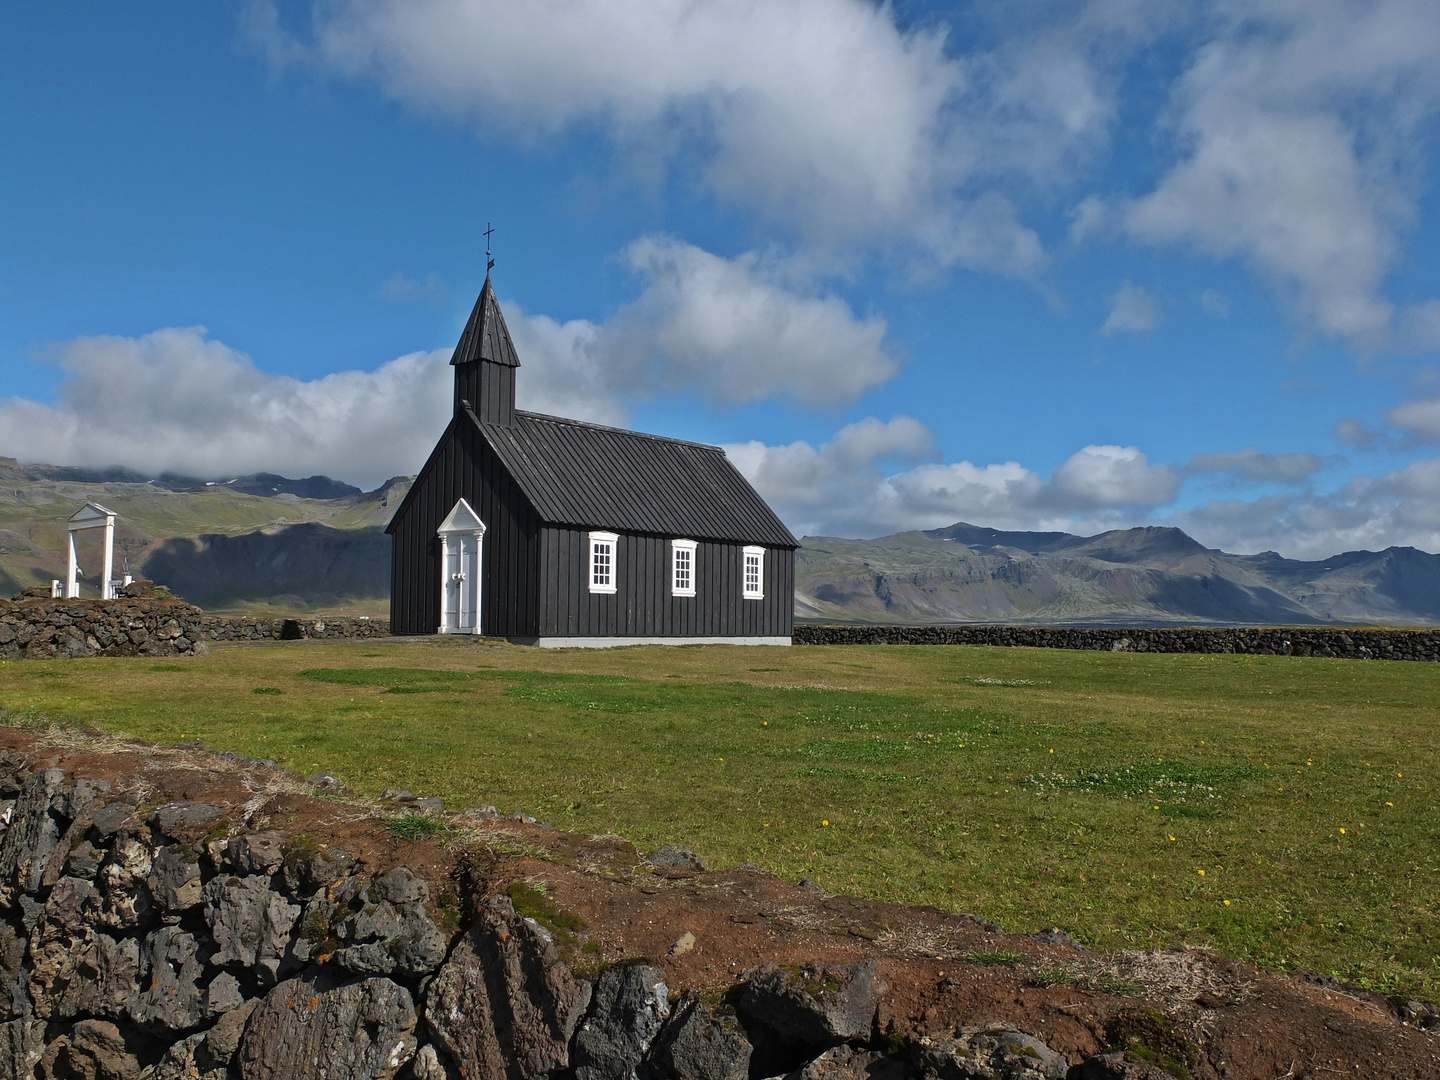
[489, 262]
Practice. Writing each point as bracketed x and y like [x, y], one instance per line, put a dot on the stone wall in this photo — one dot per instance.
[145, 941]
[1351, 644]
[61, 629]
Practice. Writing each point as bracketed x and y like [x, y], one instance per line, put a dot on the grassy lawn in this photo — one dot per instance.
[1280, 810]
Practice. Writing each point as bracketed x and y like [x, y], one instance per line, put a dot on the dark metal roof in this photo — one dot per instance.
[486, 336]
[599, 477]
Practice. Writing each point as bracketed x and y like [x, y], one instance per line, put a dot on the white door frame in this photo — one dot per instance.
[461, 536]
[92, 516]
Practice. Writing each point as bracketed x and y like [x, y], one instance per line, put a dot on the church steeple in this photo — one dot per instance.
[485, 362]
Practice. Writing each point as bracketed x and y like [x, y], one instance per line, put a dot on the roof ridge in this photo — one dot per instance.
[617, 430]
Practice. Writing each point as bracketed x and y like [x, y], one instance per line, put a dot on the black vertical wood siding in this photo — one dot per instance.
[642, 606]
[490, 390]
[464, 466]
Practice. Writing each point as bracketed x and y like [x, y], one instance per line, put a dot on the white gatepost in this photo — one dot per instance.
[461, 535]
[92, 516]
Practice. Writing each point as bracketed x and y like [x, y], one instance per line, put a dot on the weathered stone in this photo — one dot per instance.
[1118, 1066]
[845, 1062]
[174, 878]
[629, 1005]
[22, 1041]
[122, 882]
[223, 1040]
[256, 853]
[809, 1008]
[81, 797]
[385, 928]
[32, 836]
[675, 857]
[169, 997]
[989, 1052]
[71, 904]
[697, 1044]
[249, 922]
[115, 817]
[93, 1050]
[185, 821]
[86, 974]
[309, 868]
[312, 1027]
[14, 998]
[427, 1065]
[84, 861]
[504, 1006]
[224, 994]
[179, 1063]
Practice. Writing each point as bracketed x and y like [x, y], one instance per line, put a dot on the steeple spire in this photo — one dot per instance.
[485, 362]
[486, 336]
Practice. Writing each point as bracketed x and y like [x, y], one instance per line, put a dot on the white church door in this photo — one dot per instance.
[462, 537]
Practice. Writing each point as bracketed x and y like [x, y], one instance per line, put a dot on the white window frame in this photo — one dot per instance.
[688, 547]
[612, 542]
[758, 593]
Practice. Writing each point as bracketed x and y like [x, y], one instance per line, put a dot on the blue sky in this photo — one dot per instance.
[1071, 265]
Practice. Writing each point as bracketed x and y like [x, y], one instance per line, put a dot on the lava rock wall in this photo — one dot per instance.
[1342, 642]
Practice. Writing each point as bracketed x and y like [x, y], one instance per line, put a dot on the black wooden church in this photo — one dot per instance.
[557, 532]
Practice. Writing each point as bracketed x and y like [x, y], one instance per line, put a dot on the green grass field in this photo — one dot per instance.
[1279, 810]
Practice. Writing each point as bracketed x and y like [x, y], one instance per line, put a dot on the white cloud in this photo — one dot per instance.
[825, 117]
[176, 400]
[1298, 124]
[1352, 431]
[1132, 310]
[1418, 419]
[1107, 477]
[1401, 508]
[1420, 327]
[845, 487]
[1253, 464]
[728, 328]
[1215, 302]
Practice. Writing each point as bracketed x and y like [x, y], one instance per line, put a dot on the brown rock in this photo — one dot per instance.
[504, 1006]
[311, 1028]
[93, 1050]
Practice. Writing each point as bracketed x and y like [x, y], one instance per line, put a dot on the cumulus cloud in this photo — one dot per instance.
[1418, 419]
[1132, 310]
[1401, 508]
[1253, 464]
[728, 328]
[1297, 125]
[826, 117]
[178, 400]
[1352, 431]
[849, 486]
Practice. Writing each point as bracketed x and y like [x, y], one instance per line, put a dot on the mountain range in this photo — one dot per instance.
[265, 544]
[1145, 576]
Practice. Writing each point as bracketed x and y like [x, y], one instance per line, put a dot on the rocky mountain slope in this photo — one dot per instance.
[172, 914]
[1147, 576]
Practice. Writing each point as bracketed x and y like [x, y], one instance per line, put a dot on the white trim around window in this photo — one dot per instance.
[682, 567]
[752, 573]
[603, 548]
